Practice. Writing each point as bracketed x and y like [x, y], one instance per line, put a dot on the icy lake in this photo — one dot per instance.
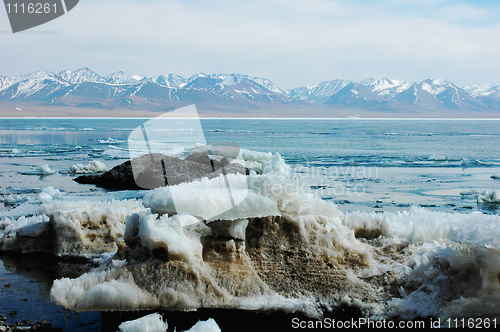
[416, 184]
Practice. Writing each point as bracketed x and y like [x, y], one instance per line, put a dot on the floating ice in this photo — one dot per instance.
[83, 228]
[48, 194]
[276, 165]
[164, 234]
[45, 169]
[221, 198]
[208, 325]
[106, 290]
[438, 157]
[94, 166]
[42, 170]
[150, 323]
[23, 226]
[16, 199]
[489, 197]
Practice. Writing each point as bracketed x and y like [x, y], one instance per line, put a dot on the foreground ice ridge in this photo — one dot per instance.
[279, 249]
[305, 256]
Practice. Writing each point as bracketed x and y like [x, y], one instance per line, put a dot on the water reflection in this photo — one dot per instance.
[43, 137]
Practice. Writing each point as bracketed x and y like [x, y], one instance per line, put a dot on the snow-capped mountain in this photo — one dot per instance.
[355, 94]
[80, 76]
[120, 78]
[386, 87]
[231, 86]
[33, 86]
[439, 93]
[171, 81]
[319, 93]
[85, 88]
[486, 90]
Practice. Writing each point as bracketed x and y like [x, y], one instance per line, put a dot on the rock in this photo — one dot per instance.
[155, 170]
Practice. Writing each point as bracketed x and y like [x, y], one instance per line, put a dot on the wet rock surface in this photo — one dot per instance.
[157, 170]
[26, 325]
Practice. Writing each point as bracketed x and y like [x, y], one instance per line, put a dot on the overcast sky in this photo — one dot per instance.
[290, 42]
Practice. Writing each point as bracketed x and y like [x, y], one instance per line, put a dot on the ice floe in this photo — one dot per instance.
[94, 166]
[150, 323]
[489, 197]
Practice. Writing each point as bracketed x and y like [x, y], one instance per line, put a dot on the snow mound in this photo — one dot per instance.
[489, 197]
[208, 325]
[93, 166]
[150, 323]
[45, 170]
[222, 198]
[276, 165]
[49, 194]
[72, 228]
[42, 170]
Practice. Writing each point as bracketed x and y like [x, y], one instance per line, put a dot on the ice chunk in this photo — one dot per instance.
[93, 166]
[276, 165]
[48, 194]
[164, 233]
[42, 170]
[88, 227]
[250, 155]
[490, 197]
[208, 325]
[34, 230]
[438, 157]
[106, 290]
[15, 199]
[25, 226]
[45, 170]
[212, 199]
[150, 323]
[235, 229]
[418, 226]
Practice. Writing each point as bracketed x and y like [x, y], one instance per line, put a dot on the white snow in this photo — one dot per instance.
[208, 325]
[276, 165]
[48, 194]
[150, 323]
[45, 169]
[489, 196]
[222, 198]
[94, 166]
[105, 290]
[165, 233]
[23, 226]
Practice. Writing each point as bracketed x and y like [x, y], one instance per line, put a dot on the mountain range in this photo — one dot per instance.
[244, 95]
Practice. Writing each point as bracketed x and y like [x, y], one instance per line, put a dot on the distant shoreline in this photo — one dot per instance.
[205, 112]
[256, 118]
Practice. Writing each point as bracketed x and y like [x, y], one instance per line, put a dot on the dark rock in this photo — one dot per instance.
[157, 170]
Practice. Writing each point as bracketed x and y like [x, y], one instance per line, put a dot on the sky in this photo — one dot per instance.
[293, 43]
